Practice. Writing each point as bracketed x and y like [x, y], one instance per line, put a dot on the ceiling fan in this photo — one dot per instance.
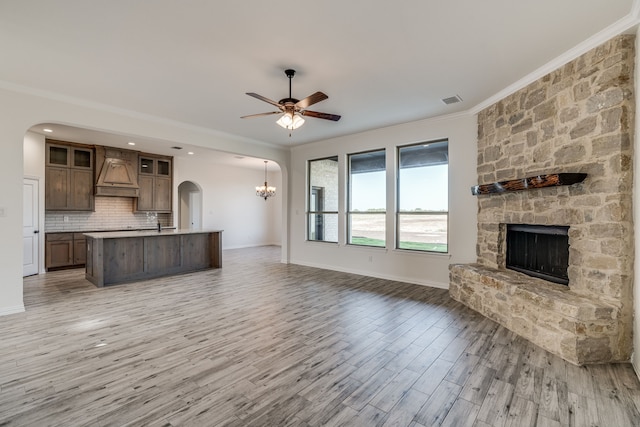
[292, 109]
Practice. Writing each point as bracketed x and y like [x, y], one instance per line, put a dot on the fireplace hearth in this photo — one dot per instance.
[540, 251]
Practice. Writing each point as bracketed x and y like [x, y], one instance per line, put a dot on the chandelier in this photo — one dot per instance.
[265, 191]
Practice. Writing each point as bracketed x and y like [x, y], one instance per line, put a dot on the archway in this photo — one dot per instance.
[190, 205]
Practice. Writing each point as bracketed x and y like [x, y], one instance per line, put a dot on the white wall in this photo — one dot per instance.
[230, 203]
[34, 155]
[421, 268]
[20, 109]
[34, 159]
[185, 188]
[274, 213]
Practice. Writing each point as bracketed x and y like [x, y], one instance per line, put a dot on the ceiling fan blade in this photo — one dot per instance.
[261, 114]
[318, 115]
[311, 99]
[262, 98]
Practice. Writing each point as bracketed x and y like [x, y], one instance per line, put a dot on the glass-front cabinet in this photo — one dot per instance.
[155, 180]
[69, 182]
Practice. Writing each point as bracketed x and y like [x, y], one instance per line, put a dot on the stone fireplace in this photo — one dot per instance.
[577, 119]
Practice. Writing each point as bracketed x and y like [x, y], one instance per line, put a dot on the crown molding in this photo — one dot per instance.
[58, 97]
[617, 28]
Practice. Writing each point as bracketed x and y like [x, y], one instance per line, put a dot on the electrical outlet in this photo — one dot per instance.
[370, 258]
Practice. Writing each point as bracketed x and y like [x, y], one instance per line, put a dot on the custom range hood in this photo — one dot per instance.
[116, 172]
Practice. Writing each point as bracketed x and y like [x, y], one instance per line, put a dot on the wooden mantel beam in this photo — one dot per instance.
[540, 181]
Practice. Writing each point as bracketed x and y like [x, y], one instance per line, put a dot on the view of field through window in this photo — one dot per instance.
[423, 202]
[367, 198]
[422, 198]
[427, 232]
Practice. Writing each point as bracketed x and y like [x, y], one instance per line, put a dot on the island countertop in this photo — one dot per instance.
[128, 256]
[147, 232]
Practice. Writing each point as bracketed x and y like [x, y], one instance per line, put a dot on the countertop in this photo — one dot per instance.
[104, 230]
[146, 233]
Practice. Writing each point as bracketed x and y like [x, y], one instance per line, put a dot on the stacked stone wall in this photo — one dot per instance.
[578, 118]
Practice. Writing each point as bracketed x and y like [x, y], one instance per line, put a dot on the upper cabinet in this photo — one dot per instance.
[155, 178]
[68, 177]
[75, 174]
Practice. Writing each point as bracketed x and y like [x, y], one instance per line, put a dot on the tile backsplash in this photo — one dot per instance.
[111, 213]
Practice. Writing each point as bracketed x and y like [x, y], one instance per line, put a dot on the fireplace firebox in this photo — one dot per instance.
[539, 251]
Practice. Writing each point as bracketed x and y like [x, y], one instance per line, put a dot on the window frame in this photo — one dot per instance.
[309, 190]
[399, 212]
[349, 211]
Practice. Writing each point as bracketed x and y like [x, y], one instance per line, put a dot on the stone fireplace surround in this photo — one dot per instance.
[577, 119]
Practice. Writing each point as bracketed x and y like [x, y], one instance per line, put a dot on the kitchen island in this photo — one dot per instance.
[127, 256]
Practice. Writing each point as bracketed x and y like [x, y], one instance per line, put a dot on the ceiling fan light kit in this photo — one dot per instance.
[290, 121]
[292, 109]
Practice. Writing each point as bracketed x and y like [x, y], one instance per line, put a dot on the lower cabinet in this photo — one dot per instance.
[65, 250]
[79, 249]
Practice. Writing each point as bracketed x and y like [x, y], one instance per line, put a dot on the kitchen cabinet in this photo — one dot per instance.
[127, 256]
[79, 249]
[155, 178]
[65, 250]
[68, 177]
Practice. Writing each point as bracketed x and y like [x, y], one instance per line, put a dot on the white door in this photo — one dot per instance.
[194, 209]
[30, 231]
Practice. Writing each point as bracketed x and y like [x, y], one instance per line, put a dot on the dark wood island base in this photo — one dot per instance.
[128, 256]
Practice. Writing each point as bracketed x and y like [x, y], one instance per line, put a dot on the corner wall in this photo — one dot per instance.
[388, 263]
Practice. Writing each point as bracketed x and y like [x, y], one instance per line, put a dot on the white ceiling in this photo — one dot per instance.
[381, 63]
[147, 145]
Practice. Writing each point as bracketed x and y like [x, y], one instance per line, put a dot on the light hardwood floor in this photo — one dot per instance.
[259, 343]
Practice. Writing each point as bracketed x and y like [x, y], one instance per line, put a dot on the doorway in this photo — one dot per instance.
[30, 227]
[190, 208]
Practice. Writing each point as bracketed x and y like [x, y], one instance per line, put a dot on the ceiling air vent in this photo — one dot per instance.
[452, 99]
[176, 147]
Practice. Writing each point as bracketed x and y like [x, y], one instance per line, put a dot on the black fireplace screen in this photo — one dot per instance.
[539, 250]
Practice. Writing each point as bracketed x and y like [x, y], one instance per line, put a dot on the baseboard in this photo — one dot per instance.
[395, 278]
[256, 245]
[11, 310]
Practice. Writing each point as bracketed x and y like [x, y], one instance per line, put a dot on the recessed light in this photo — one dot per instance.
[131, 143]
[47, 130]
[190, 152]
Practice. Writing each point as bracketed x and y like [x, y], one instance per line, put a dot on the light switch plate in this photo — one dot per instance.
[2, 212]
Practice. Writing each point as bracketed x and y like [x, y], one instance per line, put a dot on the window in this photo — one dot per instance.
[322, 211]
[423, 207]
[367, 199]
